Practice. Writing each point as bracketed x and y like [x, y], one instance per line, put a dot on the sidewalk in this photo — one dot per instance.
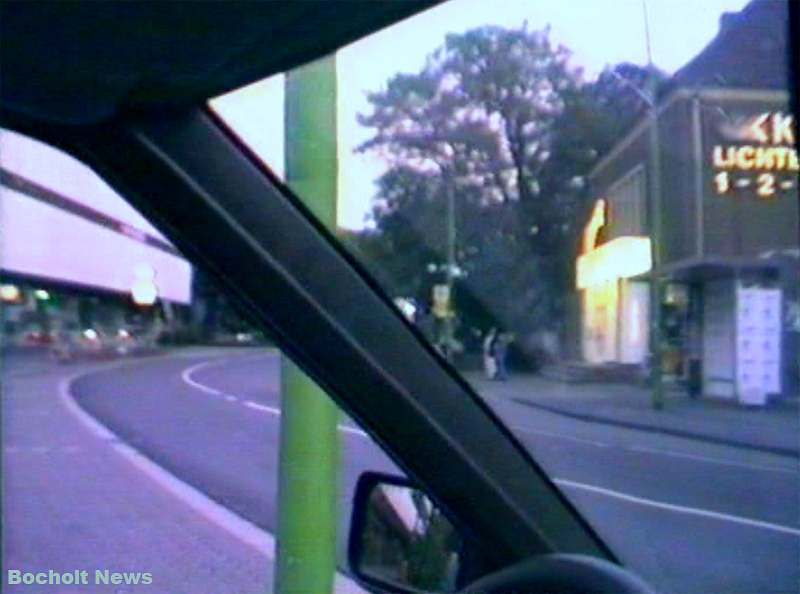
[70, 501]
[774, 428]
[77, 497]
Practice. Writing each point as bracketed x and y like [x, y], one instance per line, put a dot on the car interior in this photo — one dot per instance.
[135, 111]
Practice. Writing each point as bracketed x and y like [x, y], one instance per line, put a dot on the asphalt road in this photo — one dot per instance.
[688, 516]
[215, 424]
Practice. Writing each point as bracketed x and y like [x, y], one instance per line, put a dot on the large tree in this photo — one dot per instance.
[498, 122]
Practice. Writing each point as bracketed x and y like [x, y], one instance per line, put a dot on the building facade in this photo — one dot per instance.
[73, 252]
[720, 223]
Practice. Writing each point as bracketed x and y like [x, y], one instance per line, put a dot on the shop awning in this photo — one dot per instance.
[622, 257]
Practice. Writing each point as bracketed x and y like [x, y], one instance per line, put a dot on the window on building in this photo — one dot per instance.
[626, 201]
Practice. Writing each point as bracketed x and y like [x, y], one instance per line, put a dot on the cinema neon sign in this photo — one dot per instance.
[767, 160]
[622, 257]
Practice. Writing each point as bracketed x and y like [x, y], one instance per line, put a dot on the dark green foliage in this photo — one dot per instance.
[500, 119]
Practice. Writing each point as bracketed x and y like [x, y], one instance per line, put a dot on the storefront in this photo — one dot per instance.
[722, 217]
[614, 305]
[728, 241]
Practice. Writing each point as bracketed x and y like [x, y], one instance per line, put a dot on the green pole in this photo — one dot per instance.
[307, 482]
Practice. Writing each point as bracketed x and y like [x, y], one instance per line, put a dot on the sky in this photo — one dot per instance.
[599, 33]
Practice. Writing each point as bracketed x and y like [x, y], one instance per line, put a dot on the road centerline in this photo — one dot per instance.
[678, 508]
[186, 376]
[262, 407]
[709, 459]
[665, 506]
[658, 452]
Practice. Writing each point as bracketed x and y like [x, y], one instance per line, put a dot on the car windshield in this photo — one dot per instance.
[590, 210]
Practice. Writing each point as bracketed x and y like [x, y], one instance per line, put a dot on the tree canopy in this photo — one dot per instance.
[501, 122]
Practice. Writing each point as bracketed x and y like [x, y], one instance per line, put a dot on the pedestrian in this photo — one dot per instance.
[489, 366]
[500, 353]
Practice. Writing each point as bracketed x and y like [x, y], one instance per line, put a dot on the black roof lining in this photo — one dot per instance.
[106, 57]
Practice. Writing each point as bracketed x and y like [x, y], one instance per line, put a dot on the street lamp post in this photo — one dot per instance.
[656, 288]
[451, 265]
[654, 216]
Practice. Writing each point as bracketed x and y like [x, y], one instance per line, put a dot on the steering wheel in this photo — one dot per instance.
[560, 574]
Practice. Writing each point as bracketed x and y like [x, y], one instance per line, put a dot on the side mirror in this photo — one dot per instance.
[399, 540]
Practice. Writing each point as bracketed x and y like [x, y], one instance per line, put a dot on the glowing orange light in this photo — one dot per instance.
[622, 257]
[596, 222]
[10, 293]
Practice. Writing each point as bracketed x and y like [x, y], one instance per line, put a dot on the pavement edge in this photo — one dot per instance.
[235, 525]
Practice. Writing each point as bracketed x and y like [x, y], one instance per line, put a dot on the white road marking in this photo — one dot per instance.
[11, 449]
[711, 460]
[264, 542]
[353, 430]
[660, 452]
[679, 508]
[40, 449]
[277, 412]
[234, 524]
[262, 408]
[186, 375]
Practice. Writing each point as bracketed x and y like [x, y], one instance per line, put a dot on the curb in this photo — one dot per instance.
[237, 526]
[777, 450]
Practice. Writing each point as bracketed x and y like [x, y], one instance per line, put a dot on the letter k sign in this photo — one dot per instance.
[775, 128]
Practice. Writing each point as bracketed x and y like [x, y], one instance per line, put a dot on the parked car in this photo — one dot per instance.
[73, 342]
[35, 337]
